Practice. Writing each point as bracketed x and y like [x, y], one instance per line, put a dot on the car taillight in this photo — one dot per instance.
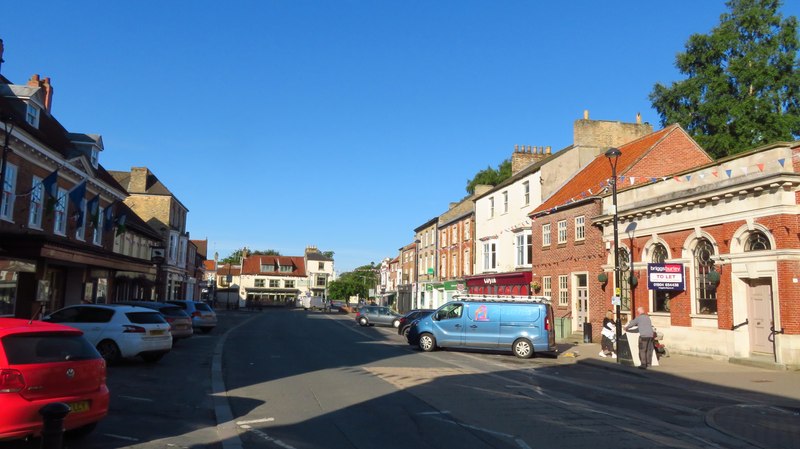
[195, 314]
[169, 319]
[11, 381]
[130, 329]
[358, 314]
[547, 324]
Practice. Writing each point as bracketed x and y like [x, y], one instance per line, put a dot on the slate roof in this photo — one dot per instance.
[599, 170]
[253, 264]
[318, 257]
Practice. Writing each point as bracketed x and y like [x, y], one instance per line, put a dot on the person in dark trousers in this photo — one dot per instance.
[608, 333]
[645, 328]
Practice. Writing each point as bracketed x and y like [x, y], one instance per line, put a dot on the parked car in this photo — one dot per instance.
[372, 315]
[410, 317]
[478, 322]
[119, 331]
[41, 363]
[203, 316]
[180, 323]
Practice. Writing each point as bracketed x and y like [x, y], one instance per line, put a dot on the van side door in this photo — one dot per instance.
[522, 320]
[482, 325]
[449, 325]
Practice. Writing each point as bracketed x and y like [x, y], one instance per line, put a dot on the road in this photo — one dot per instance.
[299, 379]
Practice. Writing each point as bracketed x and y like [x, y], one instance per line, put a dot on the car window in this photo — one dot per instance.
[145, 317]
[69, 315]
[202, 306]
[172, 311]
[182, 305]
[95, 315]
[44, 347]
[450, 311]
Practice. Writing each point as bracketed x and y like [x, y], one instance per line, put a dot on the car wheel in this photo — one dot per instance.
[206, 330]
[405, 332]
[152, 358]
[110, 351]
[427, 342]
[396, 324]
[363, 321]
[522, 348]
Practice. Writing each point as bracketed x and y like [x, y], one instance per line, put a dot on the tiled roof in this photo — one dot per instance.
[253, 264]
[202, 246]
[228, 269]
[598, 171]
[209, 265]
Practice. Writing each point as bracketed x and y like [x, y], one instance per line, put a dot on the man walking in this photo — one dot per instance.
[645, 328]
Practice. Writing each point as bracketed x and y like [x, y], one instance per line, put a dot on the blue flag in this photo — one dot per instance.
[50, 184]
[93, 206]
[121, 224]
[108, 218]
[76, 197]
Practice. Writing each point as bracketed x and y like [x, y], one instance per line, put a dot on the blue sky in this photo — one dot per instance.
[340, 124]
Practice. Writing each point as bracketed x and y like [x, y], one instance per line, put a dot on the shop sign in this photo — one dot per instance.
[665, 277]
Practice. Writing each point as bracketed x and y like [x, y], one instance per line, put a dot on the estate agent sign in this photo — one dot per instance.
[665, 277]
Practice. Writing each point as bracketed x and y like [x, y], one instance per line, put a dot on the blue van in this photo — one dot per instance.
[522, 325]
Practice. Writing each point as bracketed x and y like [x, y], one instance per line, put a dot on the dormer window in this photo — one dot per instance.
[32, 115]
[95, 157]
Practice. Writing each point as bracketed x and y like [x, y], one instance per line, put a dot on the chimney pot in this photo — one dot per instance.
[586, 114]
[638, 118]
[548, 149]
[516, 148]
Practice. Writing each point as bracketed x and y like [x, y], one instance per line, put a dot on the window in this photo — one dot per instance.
[757, 241]
[660, 298]
[526, 193]
[443, 268]
[524, 249]
[546, 234]
[454, 266]
[455, 233]
[580, 228]
[491, 207]
[32, 115]
[505, 202]
[467, 263]
[547, 286]
[173, 247]
[321, 266]
[260, 282]
[9, 187]
[37, 203]
[705, 288]
[288, 284]
[95, 157]
[625, 276]
[97, 232]
[274, 283]
[450, 311]
[563, 293]
[443, 237]
[321, 281]
[562, 231]
[467, 234]
[489, 256]
[286, 269]
[60, 219]
[80, 231]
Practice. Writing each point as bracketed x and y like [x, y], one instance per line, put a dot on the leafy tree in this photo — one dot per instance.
[743, 85]
[328, 254]
[352, 283]
[490, 176]
[236, 256]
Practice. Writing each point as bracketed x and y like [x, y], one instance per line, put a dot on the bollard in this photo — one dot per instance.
[53, 424]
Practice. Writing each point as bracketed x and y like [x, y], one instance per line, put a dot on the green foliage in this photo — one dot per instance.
[328, 254]
[236, 256]
[743, 85]
[352, 283]
[490, 176]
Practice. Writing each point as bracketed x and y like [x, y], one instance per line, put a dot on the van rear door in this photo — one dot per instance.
[482, 325]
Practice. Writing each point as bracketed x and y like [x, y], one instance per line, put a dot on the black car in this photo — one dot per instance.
[408, 318]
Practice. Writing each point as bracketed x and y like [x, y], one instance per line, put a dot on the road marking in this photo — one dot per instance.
[120, 437]
[266, 437]
[254, 421]
[520, 442]
[134, 398]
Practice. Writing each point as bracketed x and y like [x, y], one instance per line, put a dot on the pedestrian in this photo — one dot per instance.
[645, 328]
[609, 335]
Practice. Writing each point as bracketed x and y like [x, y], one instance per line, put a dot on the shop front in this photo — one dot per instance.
[500, 284]
[443, 292]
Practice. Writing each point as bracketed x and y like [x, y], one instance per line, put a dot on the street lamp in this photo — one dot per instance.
[613, 155]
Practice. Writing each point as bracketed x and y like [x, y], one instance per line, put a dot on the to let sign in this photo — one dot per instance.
[665, 277]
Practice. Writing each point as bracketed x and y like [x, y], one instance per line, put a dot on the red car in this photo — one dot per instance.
[41, 363]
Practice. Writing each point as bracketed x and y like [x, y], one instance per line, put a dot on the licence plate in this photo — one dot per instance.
[77, 407]
[157, 332]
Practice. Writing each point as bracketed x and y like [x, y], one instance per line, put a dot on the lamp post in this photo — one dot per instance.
[613, 155]
[8, 127]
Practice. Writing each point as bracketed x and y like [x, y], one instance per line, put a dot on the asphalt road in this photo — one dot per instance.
[298, 379]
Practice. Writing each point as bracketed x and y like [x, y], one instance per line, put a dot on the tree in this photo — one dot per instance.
[236, 256]
[490, 176]
[743, 85]
[352, 283]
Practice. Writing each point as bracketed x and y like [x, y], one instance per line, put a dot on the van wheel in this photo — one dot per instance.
[362, 321]
[427, 342]
[522, 348]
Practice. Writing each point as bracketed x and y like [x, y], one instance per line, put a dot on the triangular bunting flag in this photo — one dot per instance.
[633, 180]
[761, 167]
[715, 173]
[676, 178]
[688, 177]
[781, 161]
[744, 170]
[728, 172]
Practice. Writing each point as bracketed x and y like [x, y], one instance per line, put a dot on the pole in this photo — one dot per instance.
[615, 154]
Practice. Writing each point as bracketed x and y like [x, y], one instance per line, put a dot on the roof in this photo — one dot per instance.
[318, 257]
[9, 326]
[202, 246]
[598, 171]
[228, 269]
[210, 265]
[254, 264]
[154, 186]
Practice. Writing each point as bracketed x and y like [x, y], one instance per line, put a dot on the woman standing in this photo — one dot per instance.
[609, 333]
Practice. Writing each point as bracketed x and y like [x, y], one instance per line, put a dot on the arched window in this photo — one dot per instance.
[757, 241]
[625, 285]
[660, 297]
[705, 286]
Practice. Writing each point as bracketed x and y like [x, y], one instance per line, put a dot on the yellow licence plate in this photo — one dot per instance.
[77, 407]
[157, 332]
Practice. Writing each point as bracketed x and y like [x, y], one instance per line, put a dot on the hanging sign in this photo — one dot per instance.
[665, 277]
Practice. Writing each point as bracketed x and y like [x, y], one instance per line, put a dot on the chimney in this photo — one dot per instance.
[586, 114]
[45, 85]
[638, 118]
[526, 156]
[138, 180]
[480, 189]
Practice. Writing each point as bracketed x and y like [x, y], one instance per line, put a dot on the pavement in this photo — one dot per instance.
[767, 412]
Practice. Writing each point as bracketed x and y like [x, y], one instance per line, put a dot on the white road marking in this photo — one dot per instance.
[254, 421]
[266, 437]
[134, 398]
[120, 437]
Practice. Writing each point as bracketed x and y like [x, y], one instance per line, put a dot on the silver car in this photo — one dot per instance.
[372, 315]
[203, 316]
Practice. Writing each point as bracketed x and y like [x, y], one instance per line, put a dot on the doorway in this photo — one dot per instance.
[759, 314]
[581, 300]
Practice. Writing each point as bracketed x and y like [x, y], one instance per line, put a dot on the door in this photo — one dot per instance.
[482, 325]
[582, 300]
[759, 314]
[449, 325]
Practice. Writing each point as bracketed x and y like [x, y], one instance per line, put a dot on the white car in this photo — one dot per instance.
[119, 331]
